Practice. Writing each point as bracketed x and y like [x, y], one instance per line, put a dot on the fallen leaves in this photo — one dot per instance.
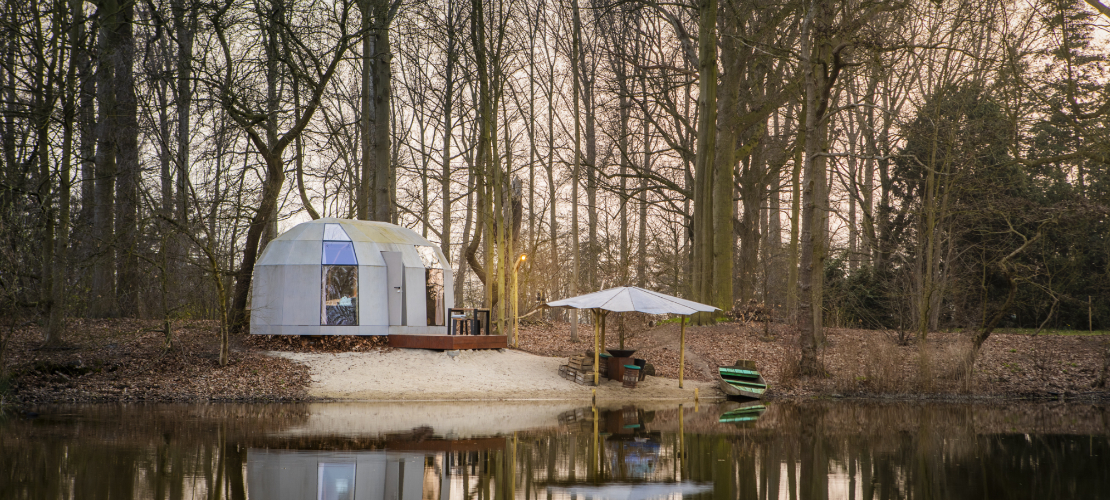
[124, 360]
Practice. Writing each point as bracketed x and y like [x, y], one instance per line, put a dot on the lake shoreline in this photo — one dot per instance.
[122, 361]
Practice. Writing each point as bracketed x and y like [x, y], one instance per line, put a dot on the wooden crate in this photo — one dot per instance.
[581, 363]
[584, 378]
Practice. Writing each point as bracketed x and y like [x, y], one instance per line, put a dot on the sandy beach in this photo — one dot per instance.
[486, 375]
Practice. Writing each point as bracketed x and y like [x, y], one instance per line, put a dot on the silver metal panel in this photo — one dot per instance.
[416, 306]
[328, 330]
[448, 288]
[373, 330]
[369, 253]
[281, 474]
[411, 257]
[340, 330]
[304, 252]
[275, 253]
[404, 478]
[395, 286]
[373, 298]
[312, 231]
[381, 232]
[418, 330]
[303, 294]
[370, 476]
[266, 296]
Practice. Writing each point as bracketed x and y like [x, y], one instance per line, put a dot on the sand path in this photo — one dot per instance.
[479, 375]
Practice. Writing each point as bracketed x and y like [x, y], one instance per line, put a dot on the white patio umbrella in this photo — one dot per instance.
[631, 298]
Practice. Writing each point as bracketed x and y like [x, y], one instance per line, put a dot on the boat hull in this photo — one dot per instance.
[742, 387]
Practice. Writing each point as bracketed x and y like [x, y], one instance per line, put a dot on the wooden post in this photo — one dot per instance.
[512, 469]
[681, 439]
[601, 315]
[597, 440]
[597, 372]
[681, 352]
[1089, 322]
[516, 311]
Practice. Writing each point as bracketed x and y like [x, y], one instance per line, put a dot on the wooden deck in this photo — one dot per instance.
[449, 342]
[447, 445]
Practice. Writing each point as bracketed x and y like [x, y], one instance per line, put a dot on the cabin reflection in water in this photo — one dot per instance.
[614, 455]
[334, 475]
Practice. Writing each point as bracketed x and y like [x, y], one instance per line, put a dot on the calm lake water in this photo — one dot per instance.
[548, 450]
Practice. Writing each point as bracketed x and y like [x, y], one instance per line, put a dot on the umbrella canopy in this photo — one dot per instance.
[630, 298]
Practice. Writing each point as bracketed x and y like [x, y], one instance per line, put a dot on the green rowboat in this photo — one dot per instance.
[741, 380]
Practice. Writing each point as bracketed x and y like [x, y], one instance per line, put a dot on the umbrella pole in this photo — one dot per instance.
[681, 352]
[597, 356]
[601, 316]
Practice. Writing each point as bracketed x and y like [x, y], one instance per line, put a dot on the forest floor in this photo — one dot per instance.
[861, 363]
[124, 360]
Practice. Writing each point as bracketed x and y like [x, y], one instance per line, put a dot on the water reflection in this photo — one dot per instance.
[551, 451]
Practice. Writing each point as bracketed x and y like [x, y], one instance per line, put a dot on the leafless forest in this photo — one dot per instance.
[903, 165]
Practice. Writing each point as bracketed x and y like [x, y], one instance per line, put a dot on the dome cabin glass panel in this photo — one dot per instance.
[340, 279]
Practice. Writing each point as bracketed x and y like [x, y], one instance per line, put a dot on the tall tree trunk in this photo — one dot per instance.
[59, 290]
[42, 89]
[587, 77]
[724, 162]
[184, 23]
[807, 337]
[576, 48]
[380, 130]
[364, 202]
[86, 123]
[102, 303]
[703, 244]
[795, 220]
[448, 103]
[375, 193]
[460, 276]
[641, 257]
[127, 164]
[549, 165]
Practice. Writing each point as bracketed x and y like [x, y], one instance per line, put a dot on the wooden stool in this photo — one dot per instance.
[631, 376]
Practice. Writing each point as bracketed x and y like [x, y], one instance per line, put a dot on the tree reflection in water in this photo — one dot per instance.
[819, 450]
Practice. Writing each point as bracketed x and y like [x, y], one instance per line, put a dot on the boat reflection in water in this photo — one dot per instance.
[743, 415]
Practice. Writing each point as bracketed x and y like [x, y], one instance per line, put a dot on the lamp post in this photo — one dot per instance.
[516, 296]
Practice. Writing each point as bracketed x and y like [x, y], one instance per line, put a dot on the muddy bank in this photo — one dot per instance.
[124, 361]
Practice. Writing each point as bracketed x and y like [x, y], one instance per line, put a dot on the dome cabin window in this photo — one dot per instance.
[340, 279]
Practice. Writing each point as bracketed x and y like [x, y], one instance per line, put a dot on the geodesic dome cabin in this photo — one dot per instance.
[351, 277]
